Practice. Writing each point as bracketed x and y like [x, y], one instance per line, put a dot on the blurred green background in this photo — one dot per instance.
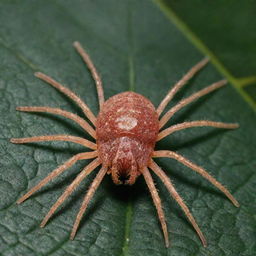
[144, 46]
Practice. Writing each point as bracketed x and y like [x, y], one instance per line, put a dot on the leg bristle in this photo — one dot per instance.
[76, 43]
[14, 140]
[37, 74]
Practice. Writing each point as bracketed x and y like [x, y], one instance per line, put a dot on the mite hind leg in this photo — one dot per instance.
[157, 202]
[86, 110]
[198, 169]
[80, 177]
[95, 184]
[167, 182]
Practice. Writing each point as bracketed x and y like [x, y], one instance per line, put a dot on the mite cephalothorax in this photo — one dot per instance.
[125, 133]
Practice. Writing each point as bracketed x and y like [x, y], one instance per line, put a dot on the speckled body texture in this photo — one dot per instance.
[127, 129]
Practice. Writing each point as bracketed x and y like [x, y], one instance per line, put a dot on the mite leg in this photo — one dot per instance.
[198, 169]
[74, 139]
[81, 176]
[157, 202]
[96, 182]
[167, 182]
[64, 113]
[185, 125]
[69, 94]
[190, 99]
[57, 172]
[93, 71]
[180, 84]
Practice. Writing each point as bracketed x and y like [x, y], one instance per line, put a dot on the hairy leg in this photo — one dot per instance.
[69, 94]
[157, 202]
[167, 182]
[190, 99]
[198, 169]
[96, 182]
[64, 113]
[81, 176]
[185, 125]
[180, 84]
[57, 172]
[93, 70]
[77, 140]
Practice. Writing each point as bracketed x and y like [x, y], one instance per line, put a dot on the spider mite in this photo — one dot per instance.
[126, 130]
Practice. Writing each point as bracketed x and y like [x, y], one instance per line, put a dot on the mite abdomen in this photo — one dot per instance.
[128, 114]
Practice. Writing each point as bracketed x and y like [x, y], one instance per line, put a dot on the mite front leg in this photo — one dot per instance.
[93, 70]
[69, 94]
[64, 113]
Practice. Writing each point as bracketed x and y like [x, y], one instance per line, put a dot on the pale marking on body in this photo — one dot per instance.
[126, 122]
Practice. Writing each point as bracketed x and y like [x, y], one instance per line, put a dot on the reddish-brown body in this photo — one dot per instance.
[126, 132]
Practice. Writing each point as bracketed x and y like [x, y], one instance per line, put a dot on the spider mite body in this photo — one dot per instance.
[127, 129]
[125, 133]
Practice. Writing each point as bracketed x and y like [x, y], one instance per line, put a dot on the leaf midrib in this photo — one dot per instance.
[237, 83]
[129, 209]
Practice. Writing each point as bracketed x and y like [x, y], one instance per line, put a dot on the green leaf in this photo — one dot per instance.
[226, 35]
[135, 47]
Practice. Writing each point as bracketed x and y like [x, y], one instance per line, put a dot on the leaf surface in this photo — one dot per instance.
[135, 46]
